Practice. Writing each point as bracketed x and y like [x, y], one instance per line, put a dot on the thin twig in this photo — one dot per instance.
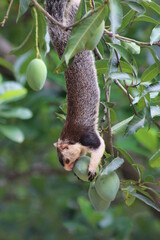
[98, 54]
[107, 97]
[110, 34]
[53, 20]
[123, 89]
[7, 13]
[87, 16]
[126, 86]
[115, 81]
[142, 44]
[156, 124]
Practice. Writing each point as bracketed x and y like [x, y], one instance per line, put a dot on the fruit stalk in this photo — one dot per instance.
[36, 32]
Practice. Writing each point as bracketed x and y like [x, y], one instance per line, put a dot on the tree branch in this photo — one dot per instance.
[7, 13]
[130, 99]
[107, 97]
[123, 89]
[142, 44]
[115, 81]
[53, 20]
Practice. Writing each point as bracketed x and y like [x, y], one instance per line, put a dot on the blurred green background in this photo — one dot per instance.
[38, 199]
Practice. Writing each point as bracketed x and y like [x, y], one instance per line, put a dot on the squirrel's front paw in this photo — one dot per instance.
[91, 173]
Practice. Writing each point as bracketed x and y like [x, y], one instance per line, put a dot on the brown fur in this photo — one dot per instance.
[80, 132]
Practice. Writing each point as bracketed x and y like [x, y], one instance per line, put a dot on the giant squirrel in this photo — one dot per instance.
[80, 132]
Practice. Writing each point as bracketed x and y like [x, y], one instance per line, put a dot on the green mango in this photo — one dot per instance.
[97, 202]
[107, 186]
[36, 74]
[81, 168]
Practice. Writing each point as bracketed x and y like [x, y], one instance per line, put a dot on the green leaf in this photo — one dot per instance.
[154, 161]
[110, 104]
[146, 137]
[149, 178]
[148, 110]
[101, 66]
[26, 45]
[125, 155]
[42, 28]
[155, 34]
[150, 73]
[81, 10]
[146, 201]
[101, 49]
[119, 127]
[126, 56]
[11, 91]
[152, 5]
[107, 155]
[30, 41]
[136, 6]
[113, 115]
[126, 67]
[23, 7]
[95, 38]
[61, 117]
[129, 199]
[126, 20]
[121, 76]
[155, 111]
[131, 47]
[63, 107]
[154, 87]
[114, 165]
[19, 112]
[82, 34]
[13, 133]
[144, 18]
[116, 15]
[135, 124]
[142, 189]
[61, 67]
[154, 55]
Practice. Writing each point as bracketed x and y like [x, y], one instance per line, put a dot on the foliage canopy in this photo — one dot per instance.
[38, 199]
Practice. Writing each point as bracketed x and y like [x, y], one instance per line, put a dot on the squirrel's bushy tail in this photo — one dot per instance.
[63, 11]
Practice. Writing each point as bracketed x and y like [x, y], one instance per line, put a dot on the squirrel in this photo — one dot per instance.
[80, 132]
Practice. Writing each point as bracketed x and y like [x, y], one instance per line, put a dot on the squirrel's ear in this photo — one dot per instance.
[55, 144]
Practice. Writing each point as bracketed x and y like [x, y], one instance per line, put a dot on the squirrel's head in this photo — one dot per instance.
[68, 153]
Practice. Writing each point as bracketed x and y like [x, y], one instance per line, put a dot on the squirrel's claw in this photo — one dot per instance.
[91, 175]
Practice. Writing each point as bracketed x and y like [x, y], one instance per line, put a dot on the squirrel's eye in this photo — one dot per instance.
[67, 161]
